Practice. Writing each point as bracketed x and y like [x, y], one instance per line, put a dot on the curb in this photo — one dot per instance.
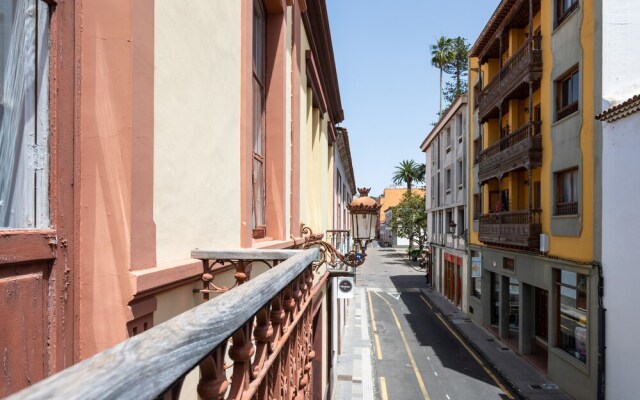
[505, 379]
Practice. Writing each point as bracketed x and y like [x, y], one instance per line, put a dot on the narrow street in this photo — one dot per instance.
[415, 354]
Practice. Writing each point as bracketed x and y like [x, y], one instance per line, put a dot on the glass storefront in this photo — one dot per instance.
[572, 314]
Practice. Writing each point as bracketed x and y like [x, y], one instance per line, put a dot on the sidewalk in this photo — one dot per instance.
[522, 378]
[354, 377]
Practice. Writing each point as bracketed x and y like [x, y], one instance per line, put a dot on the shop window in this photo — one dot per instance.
[24, 110]
[572, 313]
[567, 94]
[564, 8]
[476, 274]
[567, 192]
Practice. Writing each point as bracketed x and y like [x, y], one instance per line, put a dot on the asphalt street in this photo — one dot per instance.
[416, 355]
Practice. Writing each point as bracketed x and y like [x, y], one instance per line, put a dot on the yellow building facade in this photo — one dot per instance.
[535, 179]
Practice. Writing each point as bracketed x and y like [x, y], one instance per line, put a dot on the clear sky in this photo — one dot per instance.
[389, 90]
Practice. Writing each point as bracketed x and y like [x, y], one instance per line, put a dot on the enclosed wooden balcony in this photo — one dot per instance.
[512, 80]
[519, 149]
[511, 228]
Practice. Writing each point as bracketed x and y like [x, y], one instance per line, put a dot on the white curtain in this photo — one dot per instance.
[24, 65]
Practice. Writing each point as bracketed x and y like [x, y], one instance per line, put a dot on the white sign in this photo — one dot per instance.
[345, 287]
[476, 267]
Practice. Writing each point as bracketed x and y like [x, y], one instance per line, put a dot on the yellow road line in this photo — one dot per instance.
[406, 346]
[373, 320]
[476, 357]
[426, 302]
[383, 388]
[375, 329]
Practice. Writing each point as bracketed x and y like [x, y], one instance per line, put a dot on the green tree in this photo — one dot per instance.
[407, 172]
[458, 65]
[409, 219]
[451, 92]
[441, 55]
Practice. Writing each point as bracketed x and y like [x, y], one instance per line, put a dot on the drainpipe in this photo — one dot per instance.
[601, 334]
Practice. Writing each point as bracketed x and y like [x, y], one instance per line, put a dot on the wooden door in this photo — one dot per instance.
[36, 193]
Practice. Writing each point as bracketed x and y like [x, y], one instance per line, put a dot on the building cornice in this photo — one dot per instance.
[316, 24]
[344, 149]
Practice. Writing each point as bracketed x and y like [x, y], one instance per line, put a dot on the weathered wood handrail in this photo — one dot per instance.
[147, 365]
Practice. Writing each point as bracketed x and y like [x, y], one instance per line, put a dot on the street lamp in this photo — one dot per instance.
[364, 216]
[452, 230]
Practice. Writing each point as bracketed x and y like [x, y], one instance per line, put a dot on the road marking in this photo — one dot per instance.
[448, 398]
[423, 389]
[426, 302]
[376, 338]
[435, 373]
[395, 295]
[476, 357]
[373, 320]
[383, 388]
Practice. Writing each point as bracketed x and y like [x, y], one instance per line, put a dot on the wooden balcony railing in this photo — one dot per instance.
[567, 110]
[525, 64]
[512, 228]
[264, 327]
[521, 148]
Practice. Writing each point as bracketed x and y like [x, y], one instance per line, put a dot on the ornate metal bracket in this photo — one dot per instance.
[329, 255]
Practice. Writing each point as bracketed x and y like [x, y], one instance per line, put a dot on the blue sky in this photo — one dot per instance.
[389, 90]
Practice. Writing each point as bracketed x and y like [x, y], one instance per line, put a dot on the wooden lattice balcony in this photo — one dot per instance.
[519, 149]
[511, 228]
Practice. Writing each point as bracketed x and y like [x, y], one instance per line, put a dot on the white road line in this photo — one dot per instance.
[435, 373]
[448, 398]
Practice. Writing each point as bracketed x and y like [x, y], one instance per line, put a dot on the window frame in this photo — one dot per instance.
[566, 207]
[566, 105]
[258, 195]
[562, 13]
[582, 294]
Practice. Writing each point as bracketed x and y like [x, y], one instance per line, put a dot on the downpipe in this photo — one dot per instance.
[601, 334]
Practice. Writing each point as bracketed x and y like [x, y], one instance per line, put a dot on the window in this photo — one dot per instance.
[477, 205]
[567, 192]
[476, 95]
[433, 155]
[509, 264]
[24, 110]
[476, 274]
[448, 136]
[564, 8]
[460, 173]
[433, 189]
[461, 223]
[567, 94]
[447, 220]
[459, 127]
[477, 147]
[447, 180]
[571, 311]
[259, 99]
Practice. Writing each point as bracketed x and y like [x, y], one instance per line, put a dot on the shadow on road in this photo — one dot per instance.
[429, 331]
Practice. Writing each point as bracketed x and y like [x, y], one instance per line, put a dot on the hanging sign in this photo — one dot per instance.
[345, 287]
[476, 267]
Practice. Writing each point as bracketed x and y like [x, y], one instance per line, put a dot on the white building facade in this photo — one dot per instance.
[445, 148]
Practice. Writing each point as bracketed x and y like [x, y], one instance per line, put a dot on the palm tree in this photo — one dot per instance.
[441, 55]
[407, 172]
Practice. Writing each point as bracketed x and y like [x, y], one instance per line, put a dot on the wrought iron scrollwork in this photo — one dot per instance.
[328, 254]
